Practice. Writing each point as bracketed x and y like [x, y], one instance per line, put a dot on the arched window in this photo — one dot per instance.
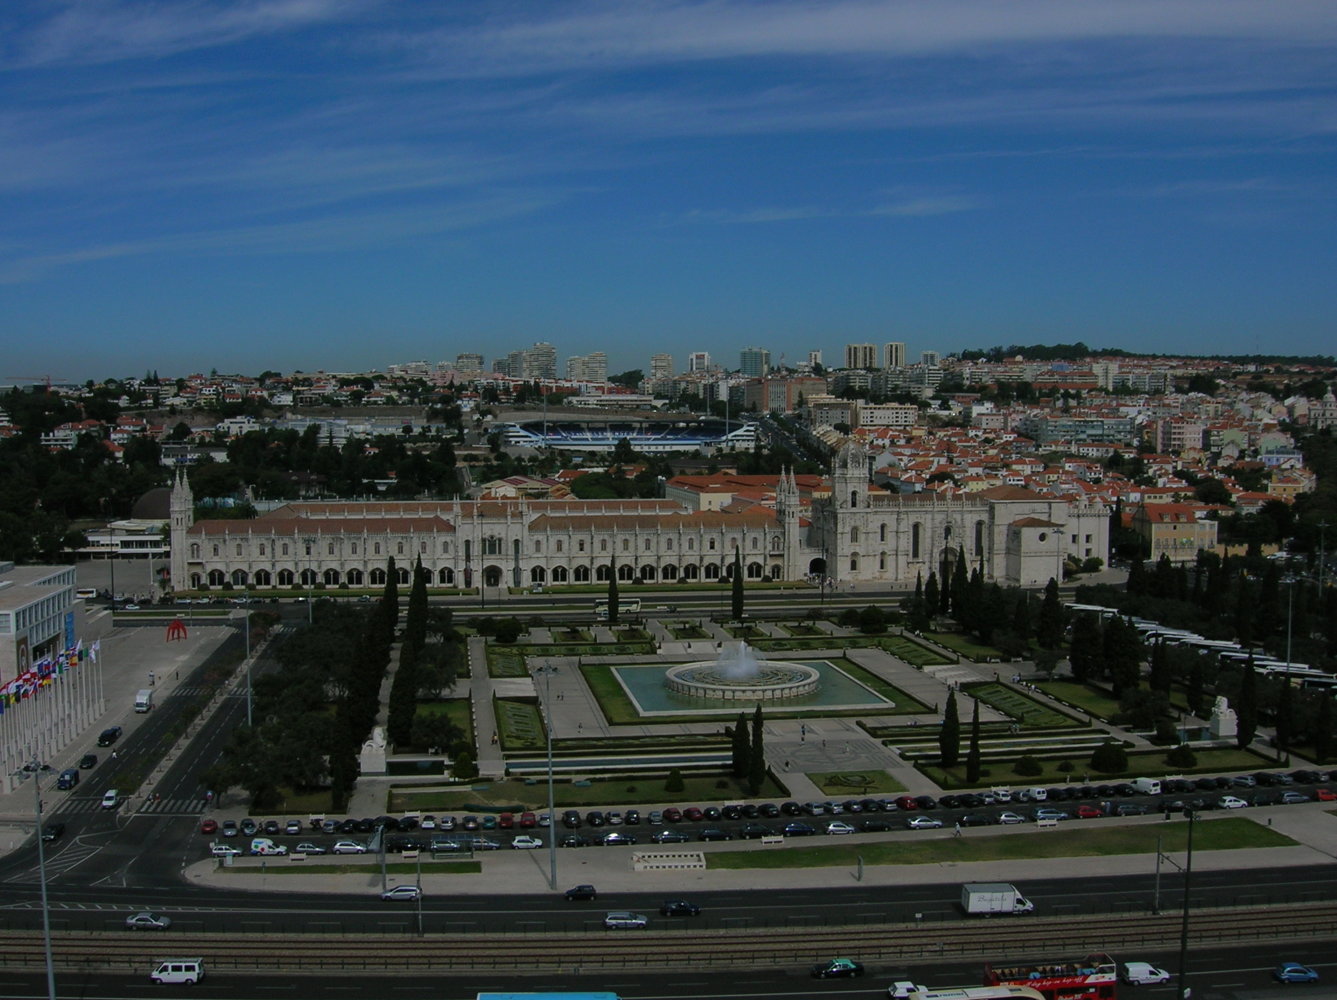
[625, 572]
[854, 563]
[285, 578]
[690, 572]
[216, 552]
[854, 534]
[882, 532]
[354, 577]
[330, 551]
[399, 548]
[422, 548]
[691, 545]
[353, 547]
[601, 573]
[580, 545]
[669, 573]
[668, 544]
[308, 577]
[446, 575]
[775, 572]
[711, 546]
[559, 574]
[776, 543]
[538, 545]
[647, 572]
[285, 548]
[581, 574]
[558, 545]
[538, 575]
[402, 574]
[754, 571]
[331, 577]
[262, 548]
[947, 533]
[195, 580]
[377, 577]
[238, 578]
[239, 548]
[626, 545]
[216, 578]
[756, 543]
[648, 543]
[979, 537]
[854, 498]
[712, 571]
[263, 578]
[603, 544]
[914, 540]
[445, 548]
[195, 550]
[882, 560]
[376, 549]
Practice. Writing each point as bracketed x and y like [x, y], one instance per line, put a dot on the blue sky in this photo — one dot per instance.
[345, 184]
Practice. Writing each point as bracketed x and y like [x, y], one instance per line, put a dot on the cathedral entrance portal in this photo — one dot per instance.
[492, 576]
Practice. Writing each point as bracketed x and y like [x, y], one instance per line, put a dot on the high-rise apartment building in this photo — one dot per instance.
[661, 366]
[893, 355]
[588, 367]
[540, 361]
[754, 362]
[469, 362]
[930, 359]
[814, 359]
[861, 356]
[698, 361]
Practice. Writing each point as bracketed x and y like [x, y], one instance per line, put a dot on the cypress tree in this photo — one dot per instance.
[1084, 654]
[1246, 712]
[1194, 689]
[1049, 630]
[949, 734]
[1285, 716]
[1160, 668]
[973, 755]
[612, 591]
[1137, 577]
[960, 584]
[932, 598]
[1021, 618]
[756, 773]
[1323, 728]
[737, 584]
[741, 747]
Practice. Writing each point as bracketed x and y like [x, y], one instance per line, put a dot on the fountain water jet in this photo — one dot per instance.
[737, 675]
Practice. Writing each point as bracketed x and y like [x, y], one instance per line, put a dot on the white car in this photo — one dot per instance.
[111, 799]
[223, 850]
[306, 847]
[1143, 974]
[148, 922]
[525, 842]
[1008, 818]
[924, 823]
[1231, 802]
[901, 990]
[839, 828]
[348, 847]
[402, 892]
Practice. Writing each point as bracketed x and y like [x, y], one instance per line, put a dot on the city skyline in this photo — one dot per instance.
[342, 184]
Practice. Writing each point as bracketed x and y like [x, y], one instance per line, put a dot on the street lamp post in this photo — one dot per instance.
[41, 875]
[1184, 991]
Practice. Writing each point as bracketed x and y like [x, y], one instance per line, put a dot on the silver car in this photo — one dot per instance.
[147, 921]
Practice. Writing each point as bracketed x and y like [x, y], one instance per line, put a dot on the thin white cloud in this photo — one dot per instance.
[103, 31]
[907, 207]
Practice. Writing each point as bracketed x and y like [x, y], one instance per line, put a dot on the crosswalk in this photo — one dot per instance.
[185, 805]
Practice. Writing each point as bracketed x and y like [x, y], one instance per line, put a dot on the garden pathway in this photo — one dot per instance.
[490, 762]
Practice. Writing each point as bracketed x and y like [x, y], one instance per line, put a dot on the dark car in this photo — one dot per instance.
[950, 801]
[838, 968]
[271, 827]
[728, 812]
[797, 829]
[751, 831]
[594, 818]
[794, 809]
[769, 809]
[581, 892]
[631, 817]
[573, 840]
[615, 839]
[87, 760]
[750, 811]
[975, 819]
[249, 828]
[109, 736]
[713, 833]
[1130, 809]
[874, 825]
[926, 802]
[669, 837]
[679, 908]
[53, 831]
[570, 819]
[712, 813]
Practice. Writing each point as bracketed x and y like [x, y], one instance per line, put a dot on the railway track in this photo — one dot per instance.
[672, 947]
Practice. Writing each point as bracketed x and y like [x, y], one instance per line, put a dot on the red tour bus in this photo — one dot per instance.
[1091, 978]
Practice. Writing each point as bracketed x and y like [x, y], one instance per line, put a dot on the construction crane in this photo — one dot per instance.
[45, 379]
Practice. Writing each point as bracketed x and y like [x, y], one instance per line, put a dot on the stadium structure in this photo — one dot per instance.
[650, 437]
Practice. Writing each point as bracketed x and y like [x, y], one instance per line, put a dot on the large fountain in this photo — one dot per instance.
[737, 675]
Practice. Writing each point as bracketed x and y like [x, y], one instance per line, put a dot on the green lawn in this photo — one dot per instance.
[572, 635]
[456, 709]
[844, 784]
[905, 705]
[505, 661]
[622, 791]
[686, 631]
[904, 648]
[1075, 841]
[520, 725]
[968, 648]
[1089, 700]
[1020, 706]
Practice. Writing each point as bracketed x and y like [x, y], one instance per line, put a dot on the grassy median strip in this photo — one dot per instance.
[1068, 841]
[283, 867]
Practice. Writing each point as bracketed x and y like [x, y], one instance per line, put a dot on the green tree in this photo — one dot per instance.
[1137, 577]
[949, 733]
[1049, 629]
[1084, 653]
[1323, 730]
[742, 747]
[674, 782]
[1109, 758]
[613, 608]
[1122, 649]
[1246, 712]
[1194, 688]
[973, 754]
[1160, 668]
[737, 584]
[756, 772]
[1285, 722]
[931, 596]
[872, 620]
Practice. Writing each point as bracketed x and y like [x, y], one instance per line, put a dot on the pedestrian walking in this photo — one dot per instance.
[958, 830]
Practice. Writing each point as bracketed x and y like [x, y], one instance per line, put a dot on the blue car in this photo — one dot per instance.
[1294, 972]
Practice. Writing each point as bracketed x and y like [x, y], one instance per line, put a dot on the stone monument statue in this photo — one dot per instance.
[1223, 725]
[372, 758]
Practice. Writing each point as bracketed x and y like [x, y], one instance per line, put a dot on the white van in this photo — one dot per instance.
[263, 845]
[1039, 795]
[144, 700]
[1147, 786]
[179, 970]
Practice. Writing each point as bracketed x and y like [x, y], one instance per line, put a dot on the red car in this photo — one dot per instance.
[1088, 812]
[528, 821]
[692, 813]
[906, 802]
[506, 821]
[208, 826]
[1325, 795]
[672, 815]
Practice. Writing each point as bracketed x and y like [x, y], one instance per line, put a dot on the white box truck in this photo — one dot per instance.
[144, 700]
[984, 899]
[1147, 786]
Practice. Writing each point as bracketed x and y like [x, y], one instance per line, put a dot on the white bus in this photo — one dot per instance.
[626, 607]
